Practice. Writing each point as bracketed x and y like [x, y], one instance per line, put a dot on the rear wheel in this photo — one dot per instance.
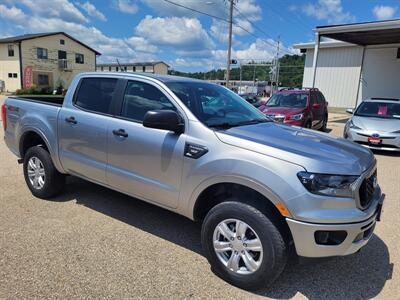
[243, 246]
[42, 178]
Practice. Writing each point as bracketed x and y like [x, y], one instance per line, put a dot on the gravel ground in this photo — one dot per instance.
[92, 242]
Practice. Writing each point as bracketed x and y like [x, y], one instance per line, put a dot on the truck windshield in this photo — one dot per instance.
[216, 106]
[379, 110]
[288, 100]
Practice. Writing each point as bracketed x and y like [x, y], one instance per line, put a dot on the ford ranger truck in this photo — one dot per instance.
[259, 188]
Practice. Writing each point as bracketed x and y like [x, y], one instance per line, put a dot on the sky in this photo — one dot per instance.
[152, 30]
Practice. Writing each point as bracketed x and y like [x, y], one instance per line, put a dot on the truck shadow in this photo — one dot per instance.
[359, 276]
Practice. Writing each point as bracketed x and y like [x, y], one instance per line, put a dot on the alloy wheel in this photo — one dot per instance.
[36, 173]
[238, 246]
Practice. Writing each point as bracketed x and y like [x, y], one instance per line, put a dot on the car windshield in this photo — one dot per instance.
[216, 106]
[379, 110]
[288, 100]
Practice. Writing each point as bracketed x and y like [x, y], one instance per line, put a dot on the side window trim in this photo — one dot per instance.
[113, 100]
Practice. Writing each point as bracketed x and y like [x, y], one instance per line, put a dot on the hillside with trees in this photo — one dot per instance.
[291, 72]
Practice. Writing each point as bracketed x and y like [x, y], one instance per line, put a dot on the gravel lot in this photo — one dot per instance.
[92, 242]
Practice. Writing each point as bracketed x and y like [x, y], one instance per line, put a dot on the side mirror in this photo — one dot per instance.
[350, 111]
[164, 119]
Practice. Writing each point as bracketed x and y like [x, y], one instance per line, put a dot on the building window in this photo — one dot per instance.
[116, 69]
[15, 75]
[134, 69]
[109, 68]
[10, 50]
[9, 75]
[42, 53]
[62, 54]
[144, 69]
[43, 79]
[79, 59]
[62, 42]
[102, 68]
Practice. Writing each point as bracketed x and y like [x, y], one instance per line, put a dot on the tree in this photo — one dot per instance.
[291, 72]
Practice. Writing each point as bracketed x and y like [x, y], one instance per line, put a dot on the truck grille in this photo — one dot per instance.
[367, 190]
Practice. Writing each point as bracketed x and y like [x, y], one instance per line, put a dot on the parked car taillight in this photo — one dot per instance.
[4, 116]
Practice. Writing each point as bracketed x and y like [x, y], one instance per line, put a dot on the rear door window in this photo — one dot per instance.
[96, 94]
[141, 97]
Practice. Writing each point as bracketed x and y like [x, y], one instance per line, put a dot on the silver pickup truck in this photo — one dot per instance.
[259, 188]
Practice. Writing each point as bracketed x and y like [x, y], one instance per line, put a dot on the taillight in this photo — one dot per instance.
[4, 116]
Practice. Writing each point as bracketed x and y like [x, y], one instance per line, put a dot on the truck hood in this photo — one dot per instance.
[316, 152]
[377, 124]
[287, 111]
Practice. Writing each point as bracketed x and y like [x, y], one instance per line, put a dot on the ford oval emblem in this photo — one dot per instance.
[375, 135]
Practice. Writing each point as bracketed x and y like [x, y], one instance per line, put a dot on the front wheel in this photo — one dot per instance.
[243, 246]
[42, 178]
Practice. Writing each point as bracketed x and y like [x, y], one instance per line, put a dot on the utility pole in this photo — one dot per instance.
[228, 65]
[275, 74]
[277, 63]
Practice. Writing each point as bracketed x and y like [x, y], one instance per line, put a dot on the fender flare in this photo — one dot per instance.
[54, 155]
[241, 180]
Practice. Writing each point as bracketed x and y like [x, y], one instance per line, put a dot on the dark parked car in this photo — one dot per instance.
[301, 107]
[253, 99]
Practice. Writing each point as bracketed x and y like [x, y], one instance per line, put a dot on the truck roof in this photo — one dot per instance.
[162, 78]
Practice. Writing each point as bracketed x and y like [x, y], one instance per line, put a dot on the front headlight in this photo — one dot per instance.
[329, 185]
[297, 117]
[352, 125]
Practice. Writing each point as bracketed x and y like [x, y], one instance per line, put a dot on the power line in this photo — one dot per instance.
[198, 11]
[226, 21]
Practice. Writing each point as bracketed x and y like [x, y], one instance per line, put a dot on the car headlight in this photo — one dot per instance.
[297, 117]
[352, 125]
[330, 185]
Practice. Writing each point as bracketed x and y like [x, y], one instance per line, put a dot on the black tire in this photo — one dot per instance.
[275, 252]
[324, 123]
[54, 180]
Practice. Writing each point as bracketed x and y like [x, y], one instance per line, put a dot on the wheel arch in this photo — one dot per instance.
[30, 138]
[34, 137]
[246, 191]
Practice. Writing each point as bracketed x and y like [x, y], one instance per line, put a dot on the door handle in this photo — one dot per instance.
[120, 132]
[71, 120]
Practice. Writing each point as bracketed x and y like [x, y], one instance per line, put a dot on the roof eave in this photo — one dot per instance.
[392, 24]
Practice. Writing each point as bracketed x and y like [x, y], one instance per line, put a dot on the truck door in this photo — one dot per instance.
[144, 162]
[83, 128]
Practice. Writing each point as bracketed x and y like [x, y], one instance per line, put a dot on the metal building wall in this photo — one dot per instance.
[380, 75]
[338, 74]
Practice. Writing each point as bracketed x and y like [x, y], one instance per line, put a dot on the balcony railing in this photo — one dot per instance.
[64, 65]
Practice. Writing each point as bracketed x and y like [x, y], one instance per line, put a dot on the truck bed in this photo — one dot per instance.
[35, 113]
[52, 100]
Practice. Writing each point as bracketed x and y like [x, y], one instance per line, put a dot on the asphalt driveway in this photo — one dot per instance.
[92, 242]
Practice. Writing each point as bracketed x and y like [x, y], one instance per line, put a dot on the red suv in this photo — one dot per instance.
[301, 107]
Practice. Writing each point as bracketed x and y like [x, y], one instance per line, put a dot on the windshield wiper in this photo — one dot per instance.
[253, 121]
[227, 125]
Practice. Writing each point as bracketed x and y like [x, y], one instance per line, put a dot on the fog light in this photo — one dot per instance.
[330, 238]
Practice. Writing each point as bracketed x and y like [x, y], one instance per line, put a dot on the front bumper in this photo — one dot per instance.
[358, 235]
[389, 141]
